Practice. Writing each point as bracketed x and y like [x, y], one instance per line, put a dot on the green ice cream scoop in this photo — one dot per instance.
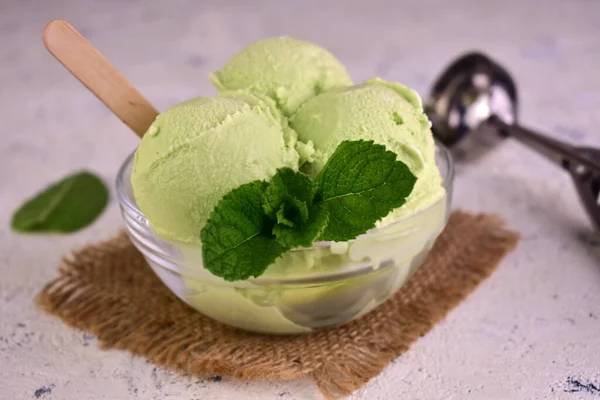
[387, 113]
[287, 70]
[199, 150]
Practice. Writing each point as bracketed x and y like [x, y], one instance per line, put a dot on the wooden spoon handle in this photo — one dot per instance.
[93, 70]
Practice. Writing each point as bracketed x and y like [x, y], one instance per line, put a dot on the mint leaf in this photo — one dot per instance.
[237, 240]
[288, 200]
[289, 186]
[292, 212]
[360, 184]
[63, 207]
[306, 233]
[282, 219]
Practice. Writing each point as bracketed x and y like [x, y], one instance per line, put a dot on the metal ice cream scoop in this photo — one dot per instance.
[475, 91]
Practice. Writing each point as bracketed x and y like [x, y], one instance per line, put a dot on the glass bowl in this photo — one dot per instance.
[312, 288]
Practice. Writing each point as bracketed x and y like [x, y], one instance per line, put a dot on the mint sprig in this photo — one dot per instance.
[306, 233]
[258, 222]
[289, 201]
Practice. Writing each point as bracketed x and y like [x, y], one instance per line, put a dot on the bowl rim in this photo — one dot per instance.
[128, 206]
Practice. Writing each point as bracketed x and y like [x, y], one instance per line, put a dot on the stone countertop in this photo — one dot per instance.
[531, 331]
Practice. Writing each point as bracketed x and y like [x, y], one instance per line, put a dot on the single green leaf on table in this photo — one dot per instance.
[360, 184]
[66, 206]
[237, 240]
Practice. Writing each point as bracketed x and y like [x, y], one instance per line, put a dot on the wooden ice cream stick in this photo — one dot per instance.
[93, 70]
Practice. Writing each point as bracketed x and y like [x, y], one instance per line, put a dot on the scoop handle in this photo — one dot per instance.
[90, 67]
[559, 152]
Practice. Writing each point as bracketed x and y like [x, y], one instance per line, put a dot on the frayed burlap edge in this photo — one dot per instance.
[108, 289]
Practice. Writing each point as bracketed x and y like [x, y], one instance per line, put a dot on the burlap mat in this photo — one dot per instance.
[109, 290]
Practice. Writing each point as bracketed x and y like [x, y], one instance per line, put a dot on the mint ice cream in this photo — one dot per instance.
[286, 103]
[287, 70]
[197, 151]
[387, 113]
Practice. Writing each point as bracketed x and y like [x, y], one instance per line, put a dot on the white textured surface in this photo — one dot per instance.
[523, 334]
